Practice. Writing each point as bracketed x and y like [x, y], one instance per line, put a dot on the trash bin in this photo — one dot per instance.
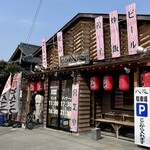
[1, 119]
[95, 134]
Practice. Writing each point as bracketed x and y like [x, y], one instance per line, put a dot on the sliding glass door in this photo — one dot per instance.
[59, 104]
[65, 109]
[53, 108]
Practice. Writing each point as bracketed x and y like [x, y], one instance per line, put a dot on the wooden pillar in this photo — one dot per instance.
[84, 103]
[93, 107]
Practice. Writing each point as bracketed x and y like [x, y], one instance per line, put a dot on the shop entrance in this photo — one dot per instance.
[59, 104]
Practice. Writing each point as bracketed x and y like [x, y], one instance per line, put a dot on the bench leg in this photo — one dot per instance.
[116, 128]
[97, 124]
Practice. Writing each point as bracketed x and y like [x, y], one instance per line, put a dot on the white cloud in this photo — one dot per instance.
[27, 23]
[24, 22]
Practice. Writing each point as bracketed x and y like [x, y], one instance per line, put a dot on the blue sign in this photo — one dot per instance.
[141, 109]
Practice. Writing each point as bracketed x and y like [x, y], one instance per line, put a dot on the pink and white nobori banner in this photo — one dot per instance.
[44, 53]
[114, 32]
[132, 29]
[5, 96]
[60, 45]
[99, 37]
[74, 108]
[14, 96]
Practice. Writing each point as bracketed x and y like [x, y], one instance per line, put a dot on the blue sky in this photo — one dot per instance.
[16, 18]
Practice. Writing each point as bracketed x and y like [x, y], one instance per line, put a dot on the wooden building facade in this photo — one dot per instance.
[79, 38]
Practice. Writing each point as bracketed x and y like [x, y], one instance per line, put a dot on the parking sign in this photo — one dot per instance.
[141, 109]
[142, 116]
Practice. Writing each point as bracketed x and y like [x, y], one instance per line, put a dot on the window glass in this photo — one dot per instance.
[53, 103]
[65, 110]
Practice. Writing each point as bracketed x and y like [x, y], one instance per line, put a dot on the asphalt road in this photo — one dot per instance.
[48, 139]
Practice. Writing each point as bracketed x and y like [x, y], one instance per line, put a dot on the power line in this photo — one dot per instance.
[34, 21]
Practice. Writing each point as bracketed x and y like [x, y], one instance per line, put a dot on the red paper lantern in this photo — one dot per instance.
[108, 83]
[40, 86]
[94, 83]
[33, 86]
[124, 82]
[145, 79]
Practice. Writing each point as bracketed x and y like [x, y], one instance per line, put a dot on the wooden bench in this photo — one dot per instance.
[115, 124]
[113, 116]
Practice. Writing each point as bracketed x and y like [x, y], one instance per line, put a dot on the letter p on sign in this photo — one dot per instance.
[141, 109]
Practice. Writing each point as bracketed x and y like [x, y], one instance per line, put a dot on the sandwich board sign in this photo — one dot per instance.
[142, 116]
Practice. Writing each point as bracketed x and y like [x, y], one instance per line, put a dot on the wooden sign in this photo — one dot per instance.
[75, 59]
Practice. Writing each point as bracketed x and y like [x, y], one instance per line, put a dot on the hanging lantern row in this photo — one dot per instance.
[108, 83]
[37, 86]
[145, 79]
[124, 83]
[94, 83]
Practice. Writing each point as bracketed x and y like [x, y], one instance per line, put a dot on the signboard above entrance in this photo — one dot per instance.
[75, 59]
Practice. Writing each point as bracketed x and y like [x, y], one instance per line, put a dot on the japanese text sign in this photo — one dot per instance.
[132, 29]
[60, 45]
[142, 115]
[44, 53]
[74, 108]
[5, 96]
[99, 37]
[114, 31]
[14, 94]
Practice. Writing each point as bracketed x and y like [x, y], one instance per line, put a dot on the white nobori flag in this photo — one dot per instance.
[14, 93]
[5, 96]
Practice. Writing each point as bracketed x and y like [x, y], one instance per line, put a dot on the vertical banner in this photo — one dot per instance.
[132, 29]
[74, 108]
[44, 53]
[142, 116]
[99, 37]
[114, 33]
[60, 45]
[15, 93]
[5, 96]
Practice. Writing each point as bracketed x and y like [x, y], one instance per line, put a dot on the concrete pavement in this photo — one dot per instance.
[49, 139]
